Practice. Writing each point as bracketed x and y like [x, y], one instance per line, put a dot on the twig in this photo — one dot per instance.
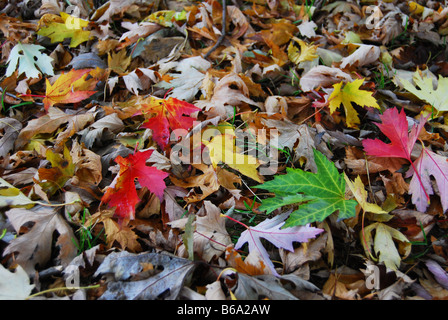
[223, 30]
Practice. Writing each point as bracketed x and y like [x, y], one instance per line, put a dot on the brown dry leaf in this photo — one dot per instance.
[359, 164]
[310, 251]
[34, 247]
[88, 167]
[210, 238]
[337, 289]
[50, 122]
[115, 233]
[225, 97]
[252, 265]
[208, 182]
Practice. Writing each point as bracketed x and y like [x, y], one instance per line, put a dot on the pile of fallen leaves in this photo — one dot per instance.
[210, 150]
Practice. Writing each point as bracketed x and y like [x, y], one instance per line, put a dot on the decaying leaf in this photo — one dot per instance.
[34, 248]
[169, 276]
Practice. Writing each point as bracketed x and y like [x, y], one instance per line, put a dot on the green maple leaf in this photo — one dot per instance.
[319, 194]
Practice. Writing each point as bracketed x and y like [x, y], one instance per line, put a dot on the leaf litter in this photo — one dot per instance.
[209, 150]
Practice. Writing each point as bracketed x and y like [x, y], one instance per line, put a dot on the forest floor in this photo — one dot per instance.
[245, 150]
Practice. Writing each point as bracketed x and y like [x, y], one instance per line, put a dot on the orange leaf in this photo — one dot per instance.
[70, 87]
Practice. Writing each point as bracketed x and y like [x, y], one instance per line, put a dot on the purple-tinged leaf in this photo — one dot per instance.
[439, 274]
[271, 230]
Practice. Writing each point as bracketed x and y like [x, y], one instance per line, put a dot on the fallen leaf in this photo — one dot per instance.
[34, 248]
[14, 285]
[360, 193]
[273, 230]
[384, 245]
[429, 164]
[348, 95]
[423, 88]
[66, 26]
[319, 194]
[171, 275]
[171, 116]
[70, 87]
[30, 60]
[223, 149]
[122, 193]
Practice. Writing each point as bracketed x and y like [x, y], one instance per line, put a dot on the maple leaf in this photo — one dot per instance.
[384, 245]
[358, 190]
[348, 95]
[70, 87]
[222, 149]
[169, 114]
[319, 194]
[59, 28]
[122, 193]
[423, 88]
[30, 60]
[307, 52]
[429, 164]
[273, 231]
[395, 127]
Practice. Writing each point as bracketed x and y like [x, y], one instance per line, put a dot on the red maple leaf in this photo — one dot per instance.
[122, 193]
[395, 126]
[169, 114]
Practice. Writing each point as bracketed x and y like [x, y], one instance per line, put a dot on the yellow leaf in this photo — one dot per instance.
[307, 51]
[358, 190]
[222, 149]
[384, 244]
[70, 27]
[348, 95]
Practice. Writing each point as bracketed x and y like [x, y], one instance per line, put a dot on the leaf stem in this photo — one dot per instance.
[62, 288]
[234, 220]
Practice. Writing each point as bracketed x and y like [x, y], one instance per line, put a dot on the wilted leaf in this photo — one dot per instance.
[170, 275]
[34, 248]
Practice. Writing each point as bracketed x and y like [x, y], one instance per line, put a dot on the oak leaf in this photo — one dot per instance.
[35, 247]
[423, 88]
[14, 285]
[30, 60]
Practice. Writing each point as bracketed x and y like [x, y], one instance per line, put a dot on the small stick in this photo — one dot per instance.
[223, 30]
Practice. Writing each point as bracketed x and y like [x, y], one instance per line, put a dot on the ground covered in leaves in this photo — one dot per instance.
[223, 149]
